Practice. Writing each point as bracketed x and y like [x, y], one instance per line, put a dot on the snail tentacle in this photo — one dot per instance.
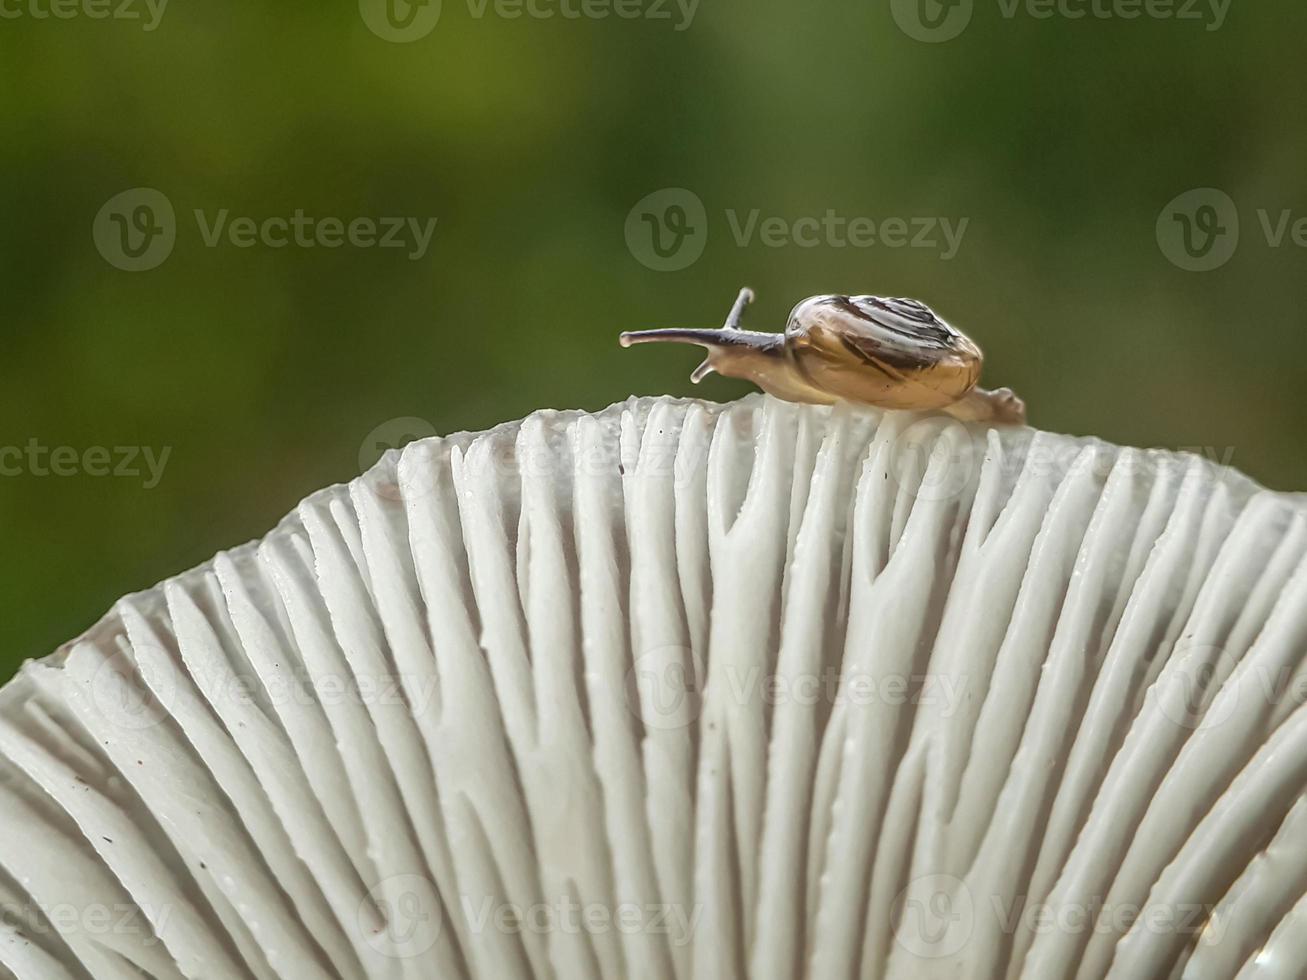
[1002, 406]
[742, 302]
[730, 342]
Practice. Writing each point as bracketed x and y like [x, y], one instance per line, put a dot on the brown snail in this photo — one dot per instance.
[890, 353]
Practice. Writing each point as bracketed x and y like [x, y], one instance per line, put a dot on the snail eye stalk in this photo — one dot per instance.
[719, 342]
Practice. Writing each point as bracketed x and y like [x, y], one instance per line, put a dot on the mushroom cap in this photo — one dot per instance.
[679, 689]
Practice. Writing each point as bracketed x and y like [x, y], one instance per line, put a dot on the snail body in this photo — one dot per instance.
[871, 350]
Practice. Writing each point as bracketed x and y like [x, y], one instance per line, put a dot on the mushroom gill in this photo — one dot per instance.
[683, 690]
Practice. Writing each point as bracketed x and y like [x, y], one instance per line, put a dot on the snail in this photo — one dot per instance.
[889, 353]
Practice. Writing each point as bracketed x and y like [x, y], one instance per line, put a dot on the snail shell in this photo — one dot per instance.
[890, 353]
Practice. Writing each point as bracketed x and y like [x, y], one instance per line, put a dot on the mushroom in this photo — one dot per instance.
[688, 690]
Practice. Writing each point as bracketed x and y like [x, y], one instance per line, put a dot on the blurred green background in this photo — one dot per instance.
[1061, 141]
